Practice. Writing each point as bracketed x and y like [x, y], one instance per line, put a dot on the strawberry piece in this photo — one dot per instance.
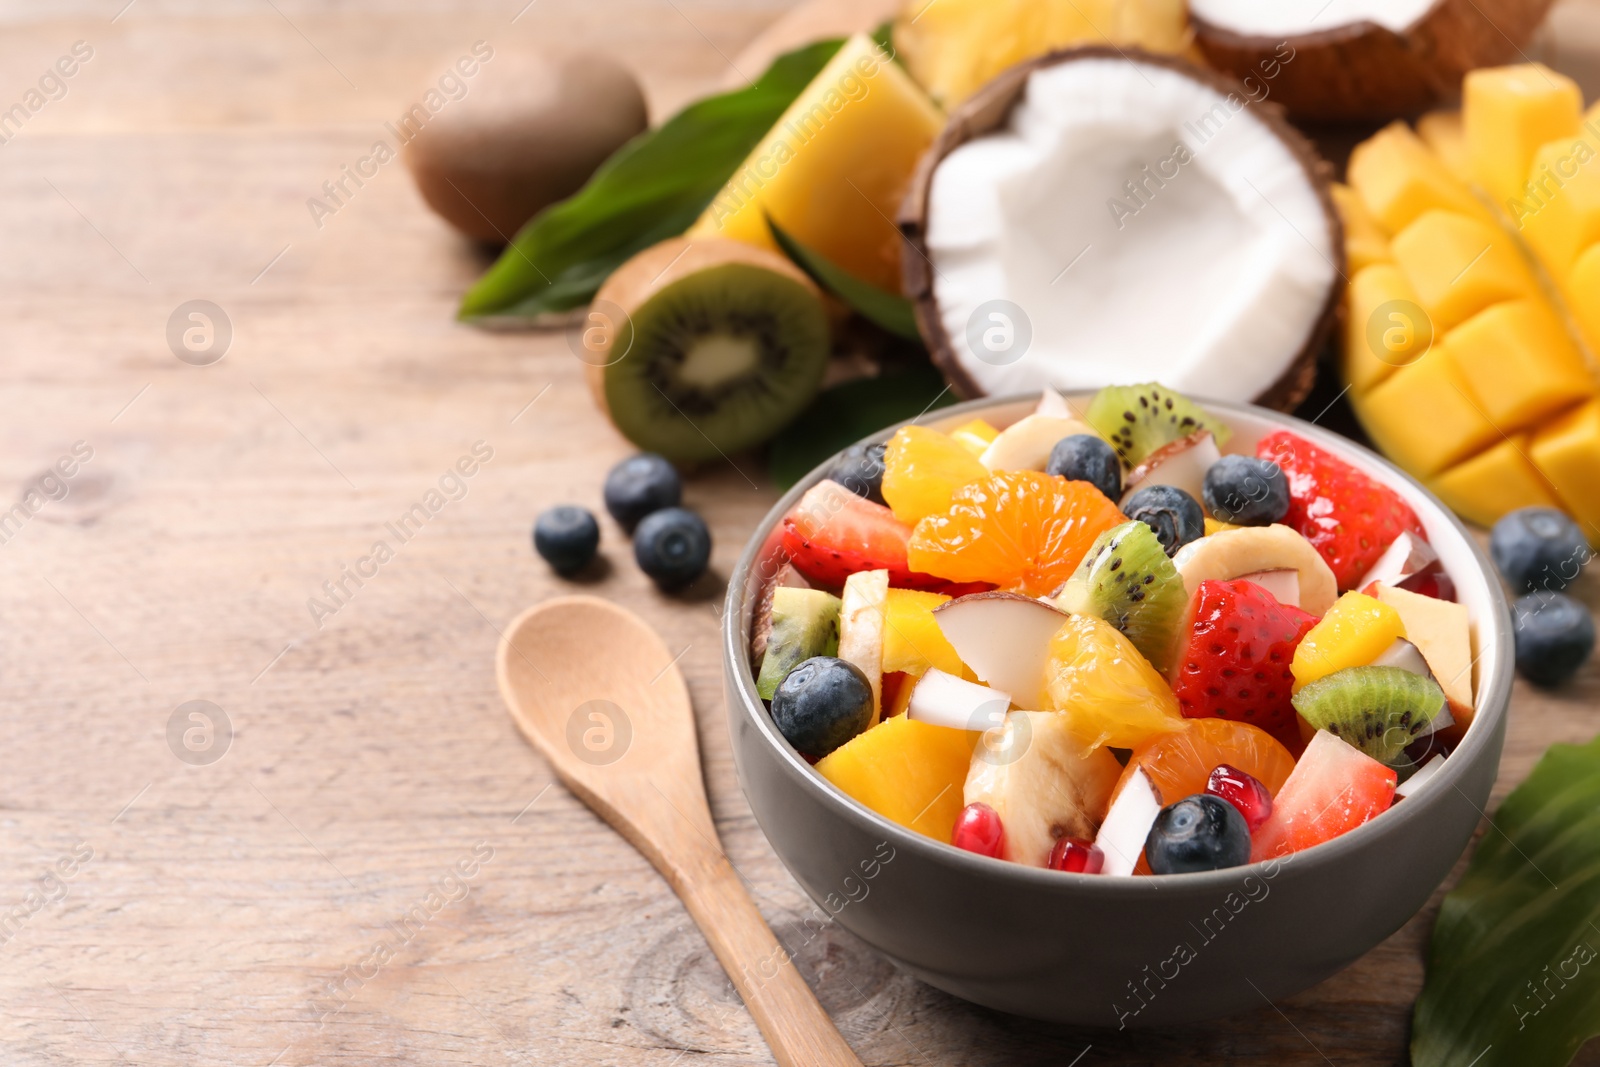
[1332, 790]
[1350, 518]
[1235, 659]
[832, 533]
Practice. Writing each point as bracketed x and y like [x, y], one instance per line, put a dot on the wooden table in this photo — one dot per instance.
[212, 905]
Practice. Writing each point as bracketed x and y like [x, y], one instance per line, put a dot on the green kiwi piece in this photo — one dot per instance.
[1138, 419]
[1379, 710]
[1127, 580]
[805, 623]
[717, 347]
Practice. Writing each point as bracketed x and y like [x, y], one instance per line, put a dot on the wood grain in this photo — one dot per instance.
[371, 760]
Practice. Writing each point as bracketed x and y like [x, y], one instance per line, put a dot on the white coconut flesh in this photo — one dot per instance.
[1295, 18]
[1212, 281]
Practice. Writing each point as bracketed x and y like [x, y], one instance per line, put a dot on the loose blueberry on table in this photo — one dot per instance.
[639, 486]
[567, 537]
[673, 547]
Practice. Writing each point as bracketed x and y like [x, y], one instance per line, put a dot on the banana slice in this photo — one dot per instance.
[1247, 550]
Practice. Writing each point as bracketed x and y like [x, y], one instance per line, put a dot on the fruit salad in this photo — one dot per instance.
[1105, 642]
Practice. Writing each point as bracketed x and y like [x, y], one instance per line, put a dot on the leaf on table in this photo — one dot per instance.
[889, 310]
[1514, 968]
[843, 415]
[653, 188]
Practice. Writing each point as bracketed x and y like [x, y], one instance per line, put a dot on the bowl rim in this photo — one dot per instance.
[1493, 692]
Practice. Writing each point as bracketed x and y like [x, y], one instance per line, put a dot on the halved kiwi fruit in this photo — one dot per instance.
[805, 624]
[1127, 580]
[1140, 419]
[698, 349]
[1379, 710]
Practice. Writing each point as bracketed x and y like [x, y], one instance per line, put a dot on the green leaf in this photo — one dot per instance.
[843, 415]
[1514, 969]
[889, 310]
[653, 188]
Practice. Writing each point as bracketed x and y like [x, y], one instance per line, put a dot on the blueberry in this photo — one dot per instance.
[641, 485]
[1174, 515]
[1246, 491]
[822, 703]
[860, 470]
[1555, 637]
[1083, 457]
[1539, 549]
[1202, 833]
[566, 537]
[673, 547]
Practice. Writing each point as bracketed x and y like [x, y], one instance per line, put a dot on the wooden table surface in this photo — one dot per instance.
[158, 911]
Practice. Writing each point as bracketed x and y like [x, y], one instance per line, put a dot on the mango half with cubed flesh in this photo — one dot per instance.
[1473, 320]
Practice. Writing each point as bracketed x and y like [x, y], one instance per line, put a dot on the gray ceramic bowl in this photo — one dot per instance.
[1123, 952]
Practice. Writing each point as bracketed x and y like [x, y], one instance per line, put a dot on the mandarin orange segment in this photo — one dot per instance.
[1019, 530]
[1178, 764]
[1114, 697]
[922, 469]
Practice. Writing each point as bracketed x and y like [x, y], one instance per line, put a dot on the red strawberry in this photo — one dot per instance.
[832, 533]
[1235, 656]
[1349, 517]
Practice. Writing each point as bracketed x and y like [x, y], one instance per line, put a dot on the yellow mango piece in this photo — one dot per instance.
[1508, 113]
[1493, 483]
[1560, 215]
[912, 640]
[1442, 632]
[975, 436]
[1568, 454]
[1365, 241]
[1460, 265]
[834, 169]
[1355, 632]
[909, 772]
[1446, 135]
[1384, 332]
[1582, 290]
[1400, 180]
[1520, 362]
[922, 469]
[1424, 417]
[1216, 526]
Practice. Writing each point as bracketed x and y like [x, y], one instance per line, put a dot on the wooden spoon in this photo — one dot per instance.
[593, 688]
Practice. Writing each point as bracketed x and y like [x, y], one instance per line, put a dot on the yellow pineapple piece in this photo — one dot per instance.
[1400, 180]
[975, 436]
[1520, 362]
[1424, 416]
[1355, 632]
[909, 772]
[1494, 483]
[1365, 242]
[912, 640]
[1509, 112]
[1446, 135]
[834, 169]
[1385, 331]
[1568, 453]
[1460, 266]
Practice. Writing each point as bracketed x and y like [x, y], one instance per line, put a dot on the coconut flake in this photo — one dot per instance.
[1211, 280]
[1289, 18]
[1127, 825]
[1421, 778]
[942, 699]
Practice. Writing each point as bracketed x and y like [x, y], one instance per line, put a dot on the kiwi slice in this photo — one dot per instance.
[1139, 419]
[700, 349]
[1379, 710]
[1127, 580]
[805, 623]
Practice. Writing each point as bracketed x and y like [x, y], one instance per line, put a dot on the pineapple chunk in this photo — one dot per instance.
[834, 169]
[907, 771]
[1357, 630]
[1509, 113]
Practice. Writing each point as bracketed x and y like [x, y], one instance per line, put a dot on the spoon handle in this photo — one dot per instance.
[797, 1029]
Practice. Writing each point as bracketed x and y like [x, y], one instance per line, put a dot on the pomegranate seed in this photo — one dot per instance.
[1076, 856]
[1434, 582]
[978, 829]
[1243, 791]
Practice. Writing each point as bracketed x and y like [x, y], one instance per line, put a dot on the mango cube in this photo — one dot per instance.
[1509, 112]
[1355, 632]
[1400, 180]
[834, 169]
[1445, 134]
[1424, 416]
[909, 772]
[1520, 362]
[1460, 266]
[1365, 241]
[1582, 290]
[1494, 482]
[912, 640]
[1383, 332]
[1560, 215]
[1568, 453]
[975, 436]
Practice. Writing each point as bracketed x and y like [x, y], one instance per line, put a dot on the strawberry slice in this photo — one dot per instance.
[1349, 517]
[1235, 655]
[832, 533]
[1332, 790]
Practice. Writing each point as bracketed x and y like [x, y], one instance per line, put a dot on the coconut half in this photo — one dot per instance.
[1095, 218]
[1369, 60]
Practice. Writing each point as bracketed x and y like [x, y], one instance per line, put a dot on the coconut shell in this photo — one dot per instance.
[990, 109]
[1364, 72]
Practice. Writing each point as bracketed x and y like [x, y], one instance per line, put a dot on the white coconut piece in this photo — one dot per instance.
[1284, 585]
[1407, 556]
[942, 699]
[1182, 464]
[1424, 774]
[1027, 444]
[1131, 219]
[1127, 825]
[1005, 639]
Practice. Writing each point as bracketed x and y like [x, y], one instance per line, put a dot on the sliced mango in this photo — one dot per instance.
[1582, 288]
[1385, 331]
[1460, 266]
[1424, 416]
[834, 169]
[1568, 454]
[907, 771]
[1446, 135]
[1400, 180]
[1354, 633]
[1520, 362]
[1560, 215]
[1509, 112]
[912, 640]
[1365, 241]
[975, 436]
[1495, 482]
